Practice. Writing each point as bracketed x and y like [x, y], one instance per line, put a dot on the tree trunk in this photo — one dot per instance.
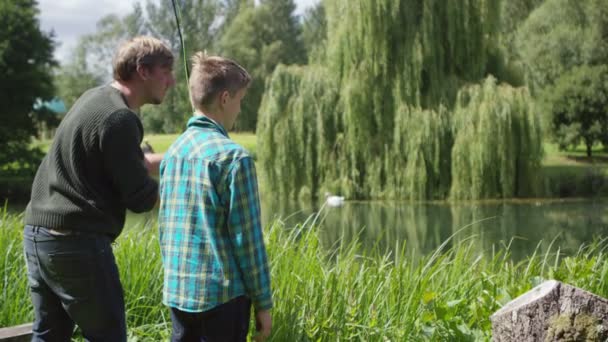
[552, 311]
[589, 150]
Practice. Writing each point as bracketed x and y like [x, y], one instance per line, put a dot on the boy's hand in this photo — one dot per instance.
[263, 324]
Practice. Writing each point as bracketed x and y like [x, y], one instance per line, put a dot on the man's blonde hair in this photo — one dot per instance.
[140, 51]
[212, 75]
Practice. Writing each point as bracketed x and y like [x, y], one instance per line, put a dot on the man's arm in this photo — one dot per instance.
[124, 163]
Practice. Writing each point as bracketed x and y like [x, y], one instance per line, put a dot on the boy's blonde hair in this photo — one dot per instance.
[140, 51]
[212, 75]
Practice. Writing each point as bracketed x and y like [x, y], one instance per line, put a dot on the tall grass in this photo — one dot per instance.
[336, 293]
[14, 295]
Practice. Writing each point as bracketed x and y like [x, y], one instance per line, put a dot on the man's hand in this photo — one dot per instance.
[263, 325]
[152, 162]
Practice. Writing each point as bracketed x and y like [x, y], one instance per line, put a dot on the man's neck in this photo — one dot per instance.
[128, 90]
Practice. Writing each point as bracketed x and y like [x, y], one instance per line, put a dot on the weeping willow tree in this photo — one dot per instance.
[297, 149]
[372, 117]
[497, 143]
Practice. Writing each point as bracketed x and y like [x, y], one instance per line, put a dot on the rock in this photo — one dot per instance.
[552, 311]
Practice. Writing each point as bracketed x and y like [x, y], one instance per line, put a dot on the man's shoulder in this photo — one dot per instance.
[99, 103]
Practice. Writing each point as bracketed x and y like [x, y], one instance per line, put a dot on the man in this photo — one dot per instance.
[211, 239]
[93, 172]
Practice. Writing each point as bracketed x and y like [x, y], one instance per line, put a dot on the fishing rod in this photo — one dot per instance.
[176, 12]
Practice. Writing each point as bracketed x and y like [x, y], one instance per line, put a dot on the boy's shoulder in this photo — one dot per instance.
[208, 145]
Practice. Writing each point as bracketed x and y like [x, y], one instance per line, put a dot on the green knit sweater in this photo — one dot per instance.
[94, 169]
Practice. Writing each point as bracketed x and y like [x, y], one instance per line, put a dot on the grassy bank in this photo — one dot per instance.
[338, 295]
[161, 142]
[572, 174]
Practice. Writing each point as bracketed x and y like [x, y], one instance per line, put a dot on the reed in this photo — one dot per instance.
[332, 293]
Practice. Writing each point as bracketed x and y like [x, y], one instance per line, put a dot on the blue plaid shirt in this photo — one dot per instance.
[209, 222]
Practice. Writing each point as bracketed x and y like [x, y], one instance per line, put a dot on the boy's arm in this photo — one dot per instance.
[245, 228]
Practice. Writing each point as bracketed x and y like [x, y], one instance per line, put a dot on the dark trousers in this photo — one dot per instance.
[73, 279]
[228, 322]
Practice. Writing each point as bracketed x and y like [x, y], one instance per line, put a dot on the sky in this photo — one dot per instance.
[70, 19]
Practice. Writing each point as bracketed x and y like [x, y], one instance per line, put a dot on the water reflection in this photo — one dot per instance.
[489, 225]
[423, 226]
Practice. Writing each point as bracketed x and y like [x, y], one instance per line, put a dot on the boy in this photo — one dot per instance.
[209, 220]
[93, 172]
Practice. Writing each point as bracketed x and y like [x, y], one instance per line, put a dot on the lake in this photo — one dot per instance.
[525, 225]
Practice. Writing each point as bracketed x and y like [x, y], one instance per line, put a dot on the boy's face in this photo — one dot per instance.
[231, 106]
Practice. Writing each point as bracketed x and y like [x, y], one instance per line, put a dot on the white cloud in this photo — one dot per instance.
[70, 19]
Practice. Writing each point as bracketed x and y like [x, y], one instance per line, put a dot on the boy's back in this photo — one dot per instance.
[209, 220]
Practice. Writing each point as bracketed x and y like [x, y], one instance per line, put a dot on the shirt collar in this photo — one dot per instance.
[202, 121]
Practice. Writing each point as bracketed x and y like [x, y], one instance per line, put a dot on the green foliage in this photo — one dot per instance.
[229, 10]
[579, 107]
[197, 21]
[91, 61]
[314, 29]
[276, 106]
[560, 35]
[26, 61]
[375, 119]
[514, 12]
[497, 144]
[259, 38]
[76, 76]
[419, 163]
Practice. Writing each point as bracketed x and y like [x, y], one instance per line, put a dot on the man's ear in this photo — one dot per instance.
[143, 72]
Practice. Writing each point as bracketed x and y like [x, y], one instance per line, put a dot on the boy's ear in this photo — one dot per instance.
[224, 97]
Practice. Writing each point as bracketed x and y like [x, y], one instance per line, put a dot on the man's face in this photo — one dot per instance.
[159, 79]
[232, 106]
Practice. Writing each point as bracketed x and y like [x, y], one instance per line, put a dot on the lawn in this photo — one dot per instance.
[572, 174]
[161, 142]
[576, 157]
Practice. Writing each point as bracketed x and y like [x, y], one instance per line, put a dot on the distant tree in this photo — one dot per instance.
[514, 12]
[579, 107]
[76, 76]
[228, 11]
[314, 29]
[260, 38]
[26, 62]
[97, 49]
[560, 35]
[198, 21]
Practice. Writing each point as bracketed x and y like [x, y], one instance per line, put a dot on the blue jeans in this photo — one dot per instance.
[74, 280]
[228, 322]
